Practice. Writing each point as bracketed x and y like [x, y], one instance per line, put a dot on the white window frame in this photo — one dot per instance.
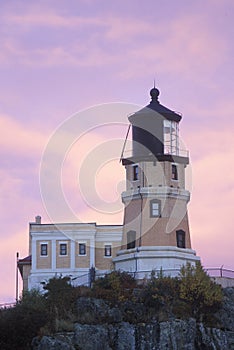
[155, 212]
[107, 245]
[43, 255]
[63, 243]
[85, 243]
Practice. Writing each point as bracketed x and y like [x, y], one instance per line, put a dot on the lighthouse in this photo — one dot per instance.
[156, 233]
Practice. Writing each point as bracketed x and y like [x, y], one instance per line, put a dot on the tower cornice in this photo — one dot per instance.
[160, 158]
[159, 191]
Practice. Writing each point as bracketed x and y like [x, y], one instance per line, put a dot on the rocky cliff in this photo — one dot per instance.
[100, 326]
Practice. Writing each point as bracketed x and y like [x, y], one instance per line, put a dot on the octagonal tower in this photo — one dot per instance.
[156, 229]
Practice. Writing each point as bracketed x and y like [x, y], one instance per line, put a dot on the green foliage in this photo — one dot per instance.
[161, 293]
[18, 325]
[198, 290]
[60, 297]
[116, 286]
[33, 300]
[161, 297]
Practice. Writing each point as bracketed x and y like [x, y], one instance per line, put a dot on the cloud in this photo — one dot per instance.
[212, 197]
[184, 44]
[8, 248]
[20, 139]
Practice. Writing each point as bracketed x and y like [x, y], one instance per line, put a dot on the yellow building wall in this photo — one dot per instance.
[82, 261]
[63, 261]
[43, 262]
[103, 262]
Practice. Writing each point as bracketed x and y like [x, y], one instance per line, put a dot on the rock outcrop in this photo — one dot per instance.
[171, 335]
[101, 327]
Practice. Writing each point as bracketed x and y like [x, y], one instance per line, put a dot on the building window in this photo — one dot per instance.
[63, 248]
[135, 172]
[82, 249]
[174, 172]
[44, 249]
[131, 239]
[155, 208]
[180, 238]
[107, 250]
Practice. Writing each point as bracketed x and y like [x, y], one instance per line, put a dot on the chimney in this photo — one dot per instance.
[38, 219]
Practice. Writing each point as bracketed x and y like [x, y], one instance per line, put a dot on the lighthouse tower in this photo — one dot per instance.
[155, 229]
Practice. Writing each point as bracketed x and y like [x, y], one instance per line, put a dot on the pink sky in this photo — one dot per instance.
[59, 57]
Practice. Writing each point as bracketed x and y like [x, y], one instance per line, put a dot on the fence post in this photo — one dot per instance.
[92, 273]
[221, 271]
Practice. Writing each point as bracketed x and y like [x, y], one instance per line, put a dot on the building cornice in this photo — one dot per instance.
[159, 191]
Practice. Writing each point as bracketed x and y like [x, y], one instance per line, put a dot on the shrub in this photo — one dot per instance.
[18, 325]
[203, 296]
[116, 286]
[161, 293]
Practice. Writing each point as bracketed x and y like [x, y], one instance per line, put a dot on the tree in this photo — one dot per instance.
[198, 290]
[60, 296]
[161, 293]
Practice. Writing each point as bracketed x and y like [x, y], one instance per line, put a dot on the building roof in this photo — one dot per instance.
[27, 259]
[156, 106]
[22, 262]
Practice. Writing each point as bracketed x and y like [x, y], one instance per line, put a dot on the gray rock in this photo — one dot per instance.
[147, 336]
[211, 338]
[177, 334]
[101, 327]
[226, 314]
[96, 311]
[91, 337]
[53, 343]
[171, 335]
[115, 315]
[125, 337]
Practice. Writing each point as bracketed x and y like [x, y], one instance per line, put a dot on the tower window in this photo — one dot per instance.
[131, 239]
[107, 250]
[155, 208]
[135, 172]
[180, 238]
[174, 172]
[63, 249]
[82, 249]
[44, 249]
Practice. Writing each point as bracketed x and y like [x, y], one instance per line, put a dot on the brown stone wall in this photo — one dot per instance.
[132, 217]
[157, 235]
[153, 231]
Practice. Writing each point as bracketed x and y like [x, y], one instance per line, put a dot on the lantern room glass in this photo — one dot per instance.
[171, 137]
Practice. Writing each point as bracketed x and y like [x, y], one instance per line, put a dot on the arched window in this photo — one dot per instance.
[131, 239]
[180, 238]
[155, 208]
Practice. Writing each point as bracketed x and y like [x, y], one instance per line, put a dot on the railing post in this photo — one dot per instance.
[92, 273]
[221, 271]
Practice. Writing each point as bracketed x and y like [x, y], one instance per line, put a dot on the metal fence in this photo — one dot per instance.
[88, 278]
[7, 305]
[219, 272]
